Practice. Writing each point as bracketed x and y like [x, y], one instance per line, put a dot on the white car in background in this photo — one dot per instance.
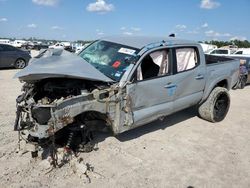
[219, 51]
[4, 41]
[243, 51]
[80, 48]
[208, 47]
[18, 43]
[57, 46]
[60, 45]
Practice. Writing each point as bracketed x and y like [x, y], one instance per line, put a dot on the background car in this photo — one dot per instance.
[40, 46]
[221, 52]
[13, 57]
[34, 46]
[244, 70]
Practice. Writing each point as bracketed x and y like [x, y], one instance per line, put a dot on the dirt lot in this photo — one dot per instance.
[181, 151]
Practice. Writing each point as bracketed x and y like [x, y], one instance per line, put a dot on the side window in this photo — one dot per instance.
[153, 65]
[239, 52]
[186, 59]
[223, 52]
[214, 52]
[8, 48]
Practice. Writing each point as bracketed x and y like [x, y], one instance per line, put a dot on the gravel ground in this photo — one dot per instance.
[180, 151]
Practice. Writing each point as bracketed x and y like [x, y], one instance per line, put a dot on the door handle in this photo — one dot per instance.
[170, 85]
[199, 77]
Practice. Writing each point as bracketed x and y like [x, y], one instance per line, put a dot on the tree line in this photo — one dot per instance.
[239, 43]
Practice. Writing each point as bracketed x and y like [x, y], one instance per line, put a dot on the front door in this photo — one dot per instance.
[152, 92]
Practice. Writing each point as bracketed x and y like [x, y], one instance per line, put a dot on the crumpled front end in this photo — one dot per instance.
[64, 111]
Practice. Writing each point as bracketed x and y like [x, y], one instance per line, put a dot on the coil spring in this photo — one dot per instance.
[70, 140]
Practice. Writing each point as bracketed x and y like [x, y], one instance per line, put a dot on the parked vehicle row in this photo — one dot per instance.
[227, 52]
[34, 46]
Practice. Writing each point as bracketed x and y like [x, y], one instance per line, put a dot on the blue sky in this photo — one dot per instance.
[91, 19]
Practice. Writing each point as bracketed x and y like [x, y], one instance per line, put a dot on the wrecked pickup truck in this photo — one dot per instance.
[119, 83]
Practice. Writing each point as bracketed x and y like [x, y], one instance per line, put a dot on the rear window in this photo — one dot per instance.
[186, 59]
[8, 48]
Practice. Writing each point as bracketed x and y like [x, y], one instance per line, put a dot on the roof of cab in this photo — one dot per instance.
[142, 41]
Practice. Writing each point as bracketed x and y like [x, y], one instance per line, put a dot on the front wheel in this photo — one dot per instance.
[215, 108]
[20, 64]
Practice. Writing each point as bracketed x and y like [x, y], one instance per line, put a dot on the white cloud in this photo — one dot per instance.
[3, 19]
[100, 6]
[127, 33]
[45, 2]
[55, 27]
[130, 30]
[99, 32]
[238, 38]
[194, 32]
[205, 25]
[32, 25]
[181, 27]
[212, 33]
[136, 29]
[209, 4]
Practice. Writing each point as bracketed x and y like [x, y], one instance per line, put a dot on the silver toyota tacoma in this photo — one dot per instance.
[117, 84]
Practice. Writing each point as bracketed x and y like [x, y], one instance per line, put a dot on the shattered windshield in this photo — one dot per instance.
[109, 58]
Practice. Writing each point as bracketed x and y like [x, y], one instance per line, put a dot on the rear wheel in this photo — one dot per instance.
[215, 108]
[20, 63]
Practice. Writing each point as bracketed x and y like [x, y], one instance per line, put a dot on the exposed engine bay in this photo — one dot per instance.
[40, 125]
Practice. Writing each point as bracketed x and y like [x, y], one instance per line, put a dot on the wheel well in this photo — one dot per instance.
[94, 120]
[222, 83]
[21, 59]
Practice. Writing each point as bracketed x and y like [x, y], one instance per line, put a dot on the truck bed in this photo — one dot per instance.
[220, 68]
[211, 59]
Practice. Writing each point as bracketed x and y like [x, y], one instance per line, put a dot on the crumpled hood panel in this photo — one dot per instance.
[60, 64]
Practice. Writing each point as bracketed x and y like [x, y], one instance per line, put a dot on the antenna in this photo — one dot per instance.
[172, 35]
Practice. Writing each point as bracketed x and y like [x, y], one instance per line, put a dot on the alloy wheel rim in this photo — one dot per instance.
[20, 64]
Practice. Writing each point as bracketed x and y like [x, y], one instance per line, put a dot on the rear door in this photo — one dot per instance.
[189, 77]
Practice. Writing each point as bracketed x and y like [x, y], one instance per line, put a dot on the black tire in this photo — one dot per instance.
[20, 63]
[215, 108]
[243, 82]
